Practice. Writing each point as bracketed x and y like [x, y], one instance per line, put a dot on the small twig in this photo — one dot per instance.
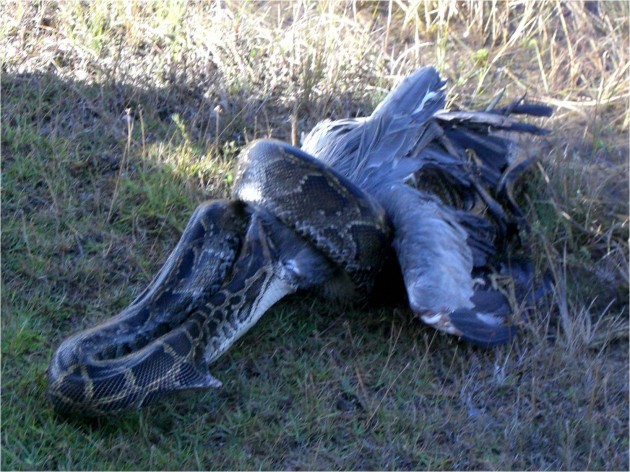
[362, 387]
[391, 349]
[217, 113]
[389, 387]
[142, 132]
[123, 163]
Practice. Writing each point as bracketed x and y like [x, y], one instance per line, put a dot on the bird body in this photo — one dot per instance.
[444, 180]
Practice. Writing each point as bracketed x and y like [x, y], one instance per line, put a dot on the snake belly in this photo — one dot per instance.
[292, 224]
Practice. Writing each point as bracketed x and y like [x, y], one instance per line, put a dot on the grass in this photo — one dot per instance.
[118, 118]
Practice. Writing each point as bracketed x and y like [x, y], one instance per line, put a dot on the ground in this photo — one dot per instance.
[119, 117]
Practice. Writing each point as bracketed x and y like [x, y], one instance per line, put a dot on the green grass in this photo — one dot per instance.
[118, 118]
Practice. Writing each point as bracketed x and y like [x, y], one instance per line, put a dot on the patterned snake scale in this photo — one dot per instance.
[429, 187]
[234, 260]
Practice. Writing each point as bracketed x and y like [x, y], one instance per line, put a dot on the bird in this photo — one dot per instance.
[445, 179]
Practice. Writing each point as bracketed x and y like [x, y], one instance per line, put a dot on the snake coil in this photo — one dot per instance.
[293, 223]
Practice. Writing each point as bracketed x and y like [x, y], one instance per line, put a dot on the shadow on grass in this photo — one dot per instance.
[98, 182]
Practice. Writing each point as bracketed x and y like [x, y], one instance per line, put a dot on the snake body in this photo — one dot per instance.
[234, 260]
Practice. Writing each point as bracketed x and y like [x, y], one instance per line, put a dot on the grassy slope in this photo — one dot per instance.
[119, 117]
